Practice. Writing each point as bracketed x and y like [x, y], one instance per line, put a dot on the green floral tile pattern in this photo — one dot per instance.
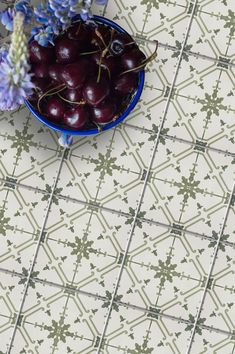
[64, 323]
[219, 308]
[207, 342]
[153, 19]
[82, 247]
[22, 213]
[189, 186]
[202, 108]
[213, 29]
[229, 230]
[166, 270]
[124, 242]
[29, 152]
[133, 332]
[11, 292]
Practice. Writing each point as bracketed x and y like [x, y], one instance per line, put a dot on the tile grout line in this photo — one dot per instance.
[120, 213]
[35, 256]
[123, 304]
[145, 182]
[210, 272]
[183, 141]
[175, 49]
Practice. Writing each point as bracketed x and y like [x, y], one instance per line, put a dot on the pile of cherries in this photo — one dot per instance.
[88, 77]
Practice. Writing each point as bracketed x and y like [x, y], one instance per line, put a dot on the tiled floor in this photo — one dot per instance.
[125, 243]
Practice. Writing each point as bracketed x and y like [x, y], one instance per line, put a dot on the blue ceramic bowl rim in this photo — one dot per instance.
[108, 126]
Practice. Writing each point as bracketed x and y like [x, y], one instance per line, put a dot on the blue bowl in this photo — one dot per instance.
[67, 132]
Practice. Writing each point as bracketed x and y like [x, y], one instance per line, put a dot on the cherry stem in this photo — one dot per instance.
[98, 127]
[99, 71]
[97, 32]
[73, 102]
[79, 27]
[50, 92]
[107, 49]
[144, 62]
[93, 52]
[130, 43]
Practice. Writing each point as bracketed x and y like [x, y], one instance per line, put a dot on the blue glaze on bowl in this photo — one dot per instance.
[108, 126]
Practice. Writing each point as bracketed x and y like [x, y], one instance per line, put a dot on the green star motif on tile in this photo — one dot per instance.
[4, 224]
[105, 164]
[187, 48]
[81, 248]
[215, 236]
[153, 3]
[230, 22]
[165, 271]
[212, 104]
[22, 141]
[188, 187]
[115, 304]
[141, 349]
[58, 331]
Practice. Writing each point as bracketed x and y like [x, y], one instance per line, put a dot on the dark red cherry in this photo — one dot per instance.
[94, 92]
[76, 118]
[133, 59]
[73, 95]
[54, 71]
[66, 51]
[104, 112]
[40, 70]
[41, 85]
[39, 54]
[55, 109]
[126, 83]
[74, 75]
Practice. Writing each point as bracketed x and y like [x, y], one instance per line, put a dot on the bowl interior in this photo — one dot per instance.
[132, 104]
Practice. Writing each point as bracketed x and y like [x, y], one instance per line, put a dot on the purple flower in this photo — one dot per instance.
[3, 54]
[24, 7]
[14, 86]
[6, 17]
[43, 36]
[85, 14]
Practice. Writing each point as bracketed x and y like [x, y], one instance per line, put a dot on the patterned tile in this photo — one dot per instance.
[202, 108]
[189, 186]
[102, 178]
[11, 290]
[131, 331]
[212, 31]
[54, 321]
[229, 231]
[165, 20]
[219, 308]
[208, 342]
[22, 212]
[165, 270]
[82, 247]
[159, 76]
[29, 152]
[109, 168]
